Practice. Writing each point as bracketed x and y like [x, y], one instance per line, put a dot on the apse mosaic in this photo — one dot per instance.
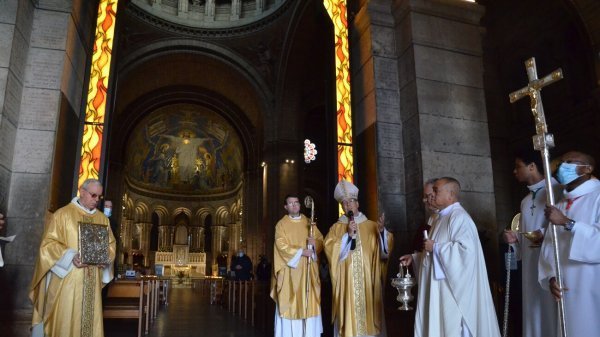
[185, 148]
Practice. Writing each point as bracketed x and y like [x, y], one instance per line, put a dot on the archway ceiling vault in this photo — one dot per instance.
[188, 69]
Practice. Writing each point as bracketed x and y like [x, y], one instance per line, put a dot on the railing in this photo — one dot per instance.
[248, 300]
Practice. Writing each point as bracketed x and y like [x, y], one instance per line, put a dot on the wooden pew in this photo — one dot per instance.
[128, 299]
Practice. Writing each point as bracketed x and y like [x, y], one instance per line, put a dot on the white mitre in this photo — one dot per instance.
[345, 190]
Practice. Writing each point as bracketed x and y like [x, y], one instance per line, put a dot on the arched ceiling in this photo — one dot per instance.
[190, 69]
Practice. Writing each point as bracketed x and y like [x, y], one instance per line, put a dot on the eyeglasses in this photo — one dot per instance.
[348, 202]
[94, 195]
[292, 203]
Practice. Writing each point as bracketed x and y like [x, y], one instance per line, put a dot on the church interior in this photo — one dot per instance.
[196, 124]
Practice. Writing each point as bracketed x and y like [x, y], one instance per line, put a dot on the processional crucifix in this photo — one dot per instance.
[543, 141]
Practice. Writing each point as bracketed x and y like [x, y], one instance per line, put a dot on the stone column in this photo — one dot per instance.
[146, 228]
[197, 239]
[236, 10]
[182, 8]
[209, 10]
[260, 6]
[218, 241]
[443, 108]
[164, 238]
[156, 3]
[235, 235]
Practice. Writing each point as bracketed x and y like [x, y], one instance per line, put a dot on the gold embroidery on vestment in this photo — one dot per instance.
[89, 293]
[358, 283]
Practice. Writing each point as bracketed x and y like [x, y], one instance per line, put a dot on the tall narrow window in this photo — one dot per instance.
[93, 126]
[345, 158]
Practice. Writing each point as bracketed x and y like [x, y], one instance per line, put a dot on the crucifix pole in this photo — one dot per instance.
[543, 141]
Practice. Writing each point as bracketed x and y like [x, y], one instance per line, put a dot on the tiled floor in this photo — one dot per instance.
[188, 314]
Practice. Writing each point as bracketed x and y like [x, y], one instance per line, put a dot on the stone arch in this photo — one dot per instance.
[129, 210]
[200, 217]
[235, 211]
[183, 210]
[222, 216]
[142, 212]
[163, 215]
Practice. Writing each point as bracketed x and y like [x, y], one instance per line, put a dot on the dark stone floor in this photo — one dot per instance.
[188, 314]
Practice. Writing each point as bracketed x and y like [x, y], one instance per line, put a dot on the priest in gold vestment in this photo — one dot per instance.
[357, 249]
[295, 286]
[66, 294]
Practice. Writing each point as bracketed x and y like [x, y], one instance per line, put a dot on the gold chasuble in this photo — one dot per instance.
[357, 278]
[68, 299]
[288, 285]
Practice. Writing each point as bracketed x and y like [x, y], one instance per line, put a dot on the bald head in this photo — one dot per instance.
[446, 190]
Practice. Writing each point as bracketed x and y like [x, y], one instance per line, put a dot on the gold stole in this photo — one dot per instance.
[358, 280]
[89, 295]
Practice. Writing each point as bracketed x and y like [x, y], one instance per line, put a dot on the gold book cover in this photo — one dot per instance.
[93, 243]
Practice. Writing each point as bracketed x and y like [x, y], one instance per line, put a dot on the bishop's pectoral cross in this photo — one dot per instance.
[543, 141]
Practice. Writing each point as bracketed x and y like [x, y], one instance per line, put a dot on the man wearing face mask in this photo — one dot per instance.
[577, 216]
[108, 208]
[241, 265]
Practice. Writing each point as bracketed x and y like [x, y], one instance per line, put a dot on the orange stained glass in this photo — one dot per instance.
[91, 143]
[338, 14]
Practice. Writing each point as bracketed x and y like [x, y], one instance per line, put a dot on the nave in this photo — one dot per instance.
[188, 314]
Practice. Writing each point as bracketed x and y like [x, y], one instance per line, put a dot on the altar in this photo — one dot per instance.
[181, 262]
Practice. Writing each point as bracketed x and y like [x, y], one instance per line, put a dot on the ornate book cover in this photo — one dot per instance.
[93, 243]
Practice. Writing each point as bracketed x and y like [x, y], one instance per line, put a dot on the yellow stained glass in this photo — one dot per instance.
[338, 14]
[91, 144]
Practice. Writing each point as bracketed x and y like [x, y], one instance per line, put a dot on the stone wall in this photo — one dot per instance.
[43, 54]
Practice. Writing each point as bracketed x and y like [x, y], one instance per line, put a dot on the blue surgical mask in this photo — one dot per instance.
[107, 211]
[567, 172]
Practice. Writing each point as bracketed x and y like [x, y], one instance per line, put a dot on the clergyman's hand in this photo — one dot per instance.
[510, 236]
[352, 227]
[406, 260]
[307, 252]
[77, 262]
[428, 245]
[555, 289]
[311, 241]
[555, 216]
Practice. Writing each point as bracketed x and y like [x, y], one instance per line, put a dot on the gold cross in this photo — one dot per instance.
[533, 90]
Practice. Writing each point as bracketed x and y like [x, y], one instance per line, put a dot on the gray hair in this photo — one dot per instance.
[430, 181]
[90, 181]
[452, 181]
